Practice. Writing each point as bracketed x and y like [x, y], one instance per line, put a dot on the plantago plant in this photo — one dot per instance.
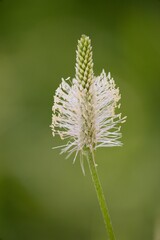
[84, 114]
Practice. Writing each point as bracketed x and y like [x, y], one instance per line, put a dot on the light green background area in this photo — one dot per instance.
[43, 196]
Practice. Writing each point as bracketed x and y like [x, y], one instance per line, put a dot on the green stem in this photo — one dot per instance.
[100, 195]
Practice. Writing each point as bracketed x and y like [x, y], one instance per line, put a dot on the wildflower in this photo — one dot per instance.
[84, 114]
[84, 107]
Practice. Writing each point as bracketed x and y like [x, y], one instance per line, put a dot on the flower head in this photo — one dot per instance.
[84, 107]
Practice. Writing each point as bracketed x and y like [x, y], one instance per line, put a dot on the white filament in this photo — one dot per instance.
[87, 118]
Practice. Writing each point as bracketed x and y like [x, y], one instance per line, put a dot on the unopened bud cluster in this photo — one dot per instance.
[84, 62]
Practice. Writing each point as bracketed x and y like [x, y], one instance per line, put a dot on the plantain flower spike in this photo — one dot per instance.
[84, 107]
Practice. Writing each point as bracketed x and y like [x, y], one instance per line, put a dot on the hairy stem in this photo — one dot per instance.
[100, 195]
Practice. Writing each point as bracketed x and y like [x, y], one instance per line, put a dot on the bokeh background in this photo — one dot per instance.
[43, 196]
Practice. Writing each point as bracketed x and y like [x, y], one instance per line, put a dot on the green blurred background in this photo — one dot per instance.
[42, 195]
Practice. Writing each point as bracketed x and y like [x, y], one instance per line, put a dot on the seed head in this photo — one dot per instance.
[84, 107]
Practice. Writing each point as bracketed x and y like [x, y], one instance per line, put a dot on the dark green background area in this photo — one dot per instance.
[43, 196]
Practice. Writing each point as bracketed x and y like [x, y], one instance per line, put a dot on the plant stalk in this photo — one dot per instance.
[100, 195]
